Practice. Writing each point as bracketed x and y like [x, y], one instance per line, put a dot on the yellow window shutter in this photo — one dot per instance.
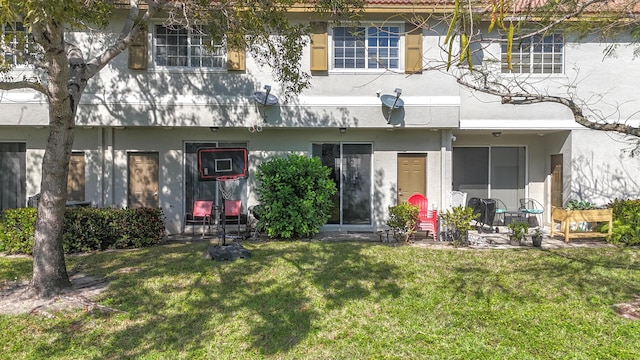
[413, 49]
[236, 60]
[138, 51]
[319, 47]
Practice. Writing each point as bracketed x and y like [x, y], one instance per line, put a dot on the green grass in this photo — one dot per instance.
[351, 300]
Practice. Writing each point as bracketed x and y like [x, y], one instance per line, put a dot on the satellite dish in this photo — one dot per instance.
[264, 97]
[391, 101]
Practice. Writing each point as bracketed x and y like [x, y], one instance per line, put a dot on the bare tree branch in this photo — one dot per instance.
[508, 96]
[24, 84]
[128, 33]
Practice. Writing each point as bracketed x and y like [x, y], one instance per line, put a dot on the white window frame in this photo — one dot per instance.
[401, 49]
[535, 59]
[190, 46]
[9, 27]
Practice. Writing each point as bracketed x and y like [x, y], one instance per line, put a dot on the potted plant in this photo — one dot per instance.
[536, 237]
[402, 221]
[517, 232]
[456, 224]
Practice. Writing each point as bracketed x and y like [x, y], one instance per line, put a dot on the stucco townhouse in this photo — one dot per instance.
[144, 117]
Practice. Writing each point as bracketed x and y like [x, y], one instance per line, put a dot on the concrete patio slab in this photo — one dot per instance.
[484, 240]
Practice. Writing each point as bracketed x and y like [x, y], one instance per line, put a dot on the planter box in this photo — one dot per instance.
[566, 217]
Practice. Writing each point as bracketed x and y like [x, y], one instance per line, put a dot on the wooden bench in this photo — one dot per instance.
[566, 217]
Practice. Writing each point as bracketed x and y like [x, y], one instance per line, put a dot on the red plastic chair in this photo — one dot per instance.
[200, 215]
[233, 212]
[427, 219]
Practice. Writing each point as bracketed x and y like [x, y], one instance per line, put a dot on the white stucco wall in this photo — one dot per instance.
[106, 179]
[602, 168]
[159, 111]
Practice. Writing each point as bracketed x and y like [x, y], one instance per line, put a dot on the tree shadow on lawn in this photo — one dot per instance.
[625, 258]
[611, 273]
[179, 302]
[539, 276]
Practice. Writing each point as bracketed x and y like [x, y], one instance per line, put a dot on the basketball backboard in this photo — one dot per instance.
[214, 163]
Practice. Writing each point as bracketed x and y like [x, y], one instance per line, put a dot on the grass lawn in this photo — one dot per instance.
[348, 300]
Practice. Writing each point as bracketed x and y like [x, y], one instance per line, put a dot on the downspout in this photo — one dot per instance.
[445, 168]
[106, 178]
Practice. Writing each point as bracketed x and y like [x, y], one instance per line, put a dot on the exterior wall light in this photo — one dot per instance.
[496, 133]
[214, 129]
[343, 130]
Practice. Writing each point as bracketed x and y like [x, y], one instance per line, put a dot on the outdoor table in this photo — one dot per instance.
[510, 214]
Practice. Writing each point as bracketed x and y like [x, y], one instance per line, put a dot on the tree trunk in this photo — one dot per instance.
[49, 269]
[63, 91]
[67, 76]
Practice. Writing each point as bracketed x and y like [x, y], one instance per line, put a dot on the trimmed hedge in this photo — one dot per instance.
[16, 230]
[85, 229]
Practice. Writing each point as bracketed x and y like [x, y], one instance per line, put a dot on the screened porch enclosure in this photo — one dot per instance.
[496, 172]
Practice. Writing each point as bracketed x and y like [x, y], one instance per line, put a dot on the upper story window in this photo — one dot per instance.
[366, 47]
[536, 55]
[15, 44]
[186, 48]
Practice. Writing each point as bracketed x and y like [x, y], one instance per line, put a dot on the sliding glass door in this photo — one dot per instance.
[351, 170]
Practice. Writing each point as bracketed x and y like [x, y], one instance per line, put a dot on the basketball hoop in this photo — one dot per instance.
[225, 178]
[225, 188]
[225, 166]
[221, 163]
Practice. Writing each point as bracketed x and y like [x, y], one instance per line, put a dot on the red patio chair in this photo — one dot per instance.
[200, 215]
[233, 212]
[427, 219]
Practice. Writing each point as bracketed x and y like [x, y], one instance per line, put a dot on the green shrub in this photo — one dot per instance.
[16, 230]
[403, 219]
[295, 193]
[85, 229]
[626, 222]
[457, 223]
[138, 227]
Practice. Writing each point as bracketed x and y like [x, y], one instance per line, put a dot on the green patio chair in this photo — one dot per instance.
[531, 206]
